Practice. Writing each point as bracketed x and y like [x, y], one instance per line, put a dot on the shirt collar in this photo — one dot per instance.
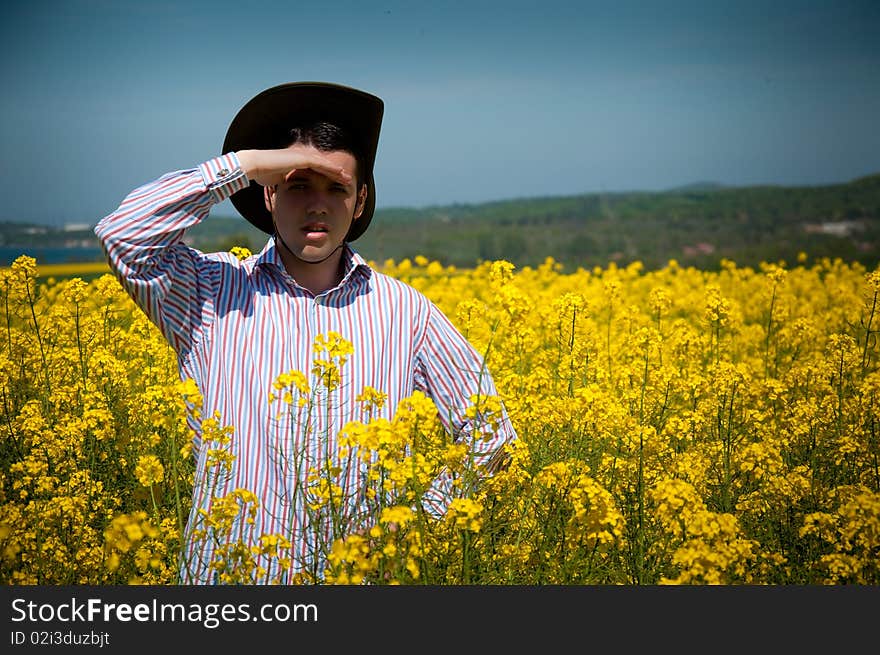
[356, 267]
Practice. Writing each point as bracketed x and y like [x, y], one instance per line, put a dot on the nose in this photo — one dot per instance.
[317, 203]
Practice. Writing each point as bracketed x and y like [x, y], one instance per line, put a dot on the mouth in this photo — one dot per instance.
[315, 230]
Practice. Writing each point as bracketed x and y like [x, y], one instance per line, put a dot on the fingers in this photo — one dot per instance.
[273, 167]
[330, 171]
[308, 157]
[327, 169]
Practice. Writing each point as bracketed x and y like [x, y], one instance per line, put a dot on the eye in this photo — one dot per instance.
[297, 186]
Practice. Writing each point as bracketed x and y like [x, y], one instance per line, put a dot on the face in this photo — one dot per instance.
[312, 212]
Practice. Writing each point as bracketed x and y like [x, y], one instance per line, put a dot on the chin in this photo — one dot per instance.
[312, 254]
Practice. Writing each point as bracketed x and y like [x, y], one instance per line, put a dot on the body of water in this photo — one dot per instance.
[8, 254]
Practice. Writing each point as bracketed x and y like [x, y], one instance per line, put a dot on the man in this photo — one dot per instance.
[297, 162]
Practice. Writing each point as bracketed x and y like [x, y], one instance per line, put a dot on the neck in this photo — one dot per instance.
[317, 276]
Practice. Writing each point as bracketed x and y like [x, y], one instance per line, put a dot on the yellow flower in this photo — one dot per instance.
[466, 514]
[149, 470]
[371, 398]
[399, 515]
[240, 252]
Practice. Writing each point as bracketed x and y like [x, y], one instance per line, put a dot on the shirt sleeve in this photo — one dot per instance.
[143, 241]
[453, 374]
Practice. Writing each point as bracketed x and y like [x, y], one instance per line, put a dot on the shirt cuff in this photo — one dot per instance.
[223, 176]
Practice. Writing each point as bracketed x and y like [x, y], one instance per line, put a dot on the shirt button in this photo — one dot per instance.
[223, 172]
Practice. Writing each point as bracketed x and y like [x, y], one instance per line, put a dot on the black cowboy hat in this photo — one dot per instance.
[265, 121]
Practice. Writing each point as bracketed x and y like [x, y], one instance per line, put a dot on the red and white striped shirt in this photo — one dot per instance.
[236, 325]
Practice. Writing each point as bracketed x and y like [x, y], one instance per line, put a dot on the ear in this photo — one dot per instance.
[361, 202]
[269, 196]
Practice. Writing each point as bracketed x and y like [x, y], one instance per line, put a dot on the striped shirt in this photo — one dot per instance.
[237, 325]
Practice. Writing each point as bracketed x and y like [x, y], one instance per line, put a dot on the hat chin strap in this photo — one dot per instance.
[278, 238]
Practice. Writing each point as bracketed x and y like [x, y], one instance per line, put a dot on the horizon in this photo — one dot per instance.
[484, 101]
[704, 185]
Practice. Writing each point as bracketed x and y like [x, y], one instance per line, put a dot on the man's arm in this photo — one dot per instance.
[451, 372]
[273, 167]
[143, 238]
[143, 241]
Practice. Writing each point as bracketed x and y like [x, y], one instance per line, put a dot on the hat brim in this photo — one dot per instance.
[265, 121]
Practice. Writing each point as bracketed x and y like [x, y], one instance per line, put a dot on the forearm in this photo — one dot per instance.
[155, 216]
[485, 434]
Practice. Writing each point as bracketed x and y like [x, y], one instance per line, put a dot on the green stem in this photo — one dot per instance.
[31, 303]
[868, 331]
[769, 331]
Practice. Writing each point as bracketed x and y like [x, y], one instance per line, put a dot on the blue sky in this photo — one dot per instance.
[483, 100]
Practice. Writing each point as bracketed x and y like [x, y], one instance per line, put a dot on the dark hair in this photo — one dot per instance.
[329, 136]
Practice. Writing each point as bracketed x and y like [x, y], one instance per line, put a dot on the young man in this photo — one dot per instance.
[297, 162]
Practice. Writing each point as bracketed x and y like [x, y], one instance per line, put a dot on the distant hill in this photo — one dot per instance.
[697, 224]
[698, 186]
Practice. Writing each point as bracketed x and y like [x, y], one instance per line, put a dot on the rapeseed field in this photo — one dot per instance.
[676, 426]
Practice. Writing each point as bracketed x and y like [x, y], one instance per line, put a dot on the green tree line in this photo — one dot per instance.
[697, 226]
